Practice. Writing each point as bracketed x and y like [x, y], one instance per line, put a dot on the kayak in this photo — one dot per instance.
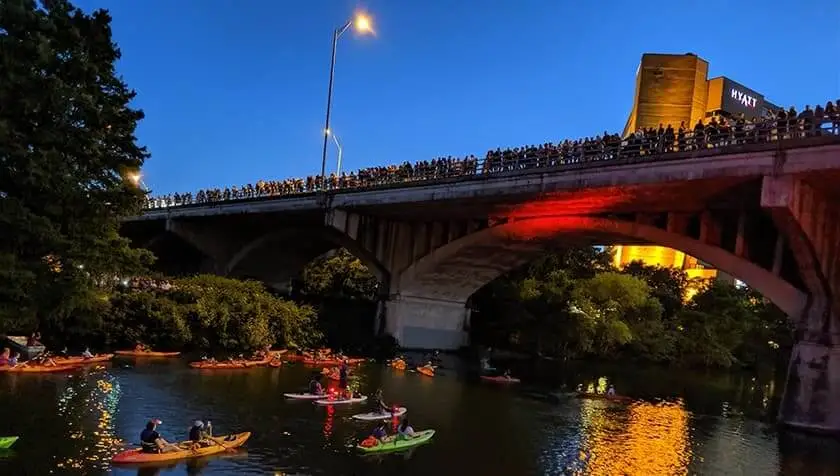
[426, 371]
[82, 360]
[275, 363]
[500, 379]
[305, 396]
[223, 443]
[39, 368]
[396, 442]
[294, 358]
[235, 364]
[330, 362]
[374, 416]
[601, 396]
[146, 353]
[398, 364]
[343, 401]
[6, 442]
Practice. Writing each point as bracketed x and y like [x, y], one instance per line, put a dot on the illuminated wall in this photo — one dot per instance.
[667, 258]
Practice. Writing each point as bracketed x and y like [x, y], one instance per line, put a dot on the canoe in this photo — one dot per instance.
[374, 416]
[6, 442]
[146, 353]
[602, 396]
[81, 360]
[426, 371]
[25, 369]
[305, 396]
[500, 379]
[396, 443]
[223, 443]
[344, 401]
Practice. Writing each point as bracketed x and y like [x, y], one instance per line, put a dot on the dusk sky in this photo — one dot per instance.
[235, 91]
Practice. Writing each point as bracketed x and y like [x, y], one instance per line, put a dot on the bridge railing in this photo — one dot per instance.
[604, 151]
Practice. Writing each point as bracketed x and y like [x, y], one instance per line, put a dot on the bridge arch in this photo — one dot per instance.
[455, 271]
[318, 240]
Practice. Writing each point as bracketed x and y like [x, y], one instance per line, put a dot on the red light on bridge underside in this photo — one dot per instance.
[536, 228]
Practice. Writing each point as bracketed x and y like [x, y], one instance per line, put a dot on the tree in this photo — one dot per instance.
[67, 155]
[339, 275]
[668, 285]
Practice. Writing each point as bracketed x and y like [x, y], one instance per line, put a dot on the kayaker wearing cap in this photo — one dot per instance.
[198, 434]
[152, 442]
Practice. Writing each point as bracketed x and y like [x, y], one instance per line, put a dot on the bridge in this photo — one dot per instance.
[766, 211]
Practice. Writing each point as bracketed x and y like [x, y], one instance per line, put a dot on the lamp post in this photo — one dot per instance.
[340, 151]
[361, 23]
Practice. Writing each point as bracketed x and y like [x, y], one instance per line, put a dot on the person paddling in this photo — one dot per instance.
[342, 375]
[378, 404]
[152, 442]
[405, 430]
[199, 435]
[380, 432]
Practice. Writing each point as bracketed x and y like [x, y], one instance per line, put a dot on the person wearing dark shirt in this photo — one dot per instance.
[151, 441]
[342, 375]
[380, 432]
[198, 433]
[315, 387]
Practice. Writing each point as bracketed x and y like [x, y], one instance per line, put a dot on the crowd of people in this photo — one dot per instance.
[712, 133]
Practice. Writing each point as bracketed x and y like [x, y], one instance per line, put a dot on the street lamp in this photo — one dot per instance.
[340, 150]
[362, 24]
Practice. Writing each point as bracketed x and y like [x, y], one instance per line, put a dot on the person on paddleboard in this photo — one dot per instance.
[315, 387]
[405, 430]
[152, 442]
[378, 404]
[342, 375]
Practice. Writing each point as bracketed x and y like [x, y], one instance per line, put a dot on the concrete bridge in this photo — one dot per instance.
[768, 214]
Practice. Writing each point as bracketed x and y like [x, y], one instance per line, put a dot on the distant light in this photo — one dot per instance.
[362, 23]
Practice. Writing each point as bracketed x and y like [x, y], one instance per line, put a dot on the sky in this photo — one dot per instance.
[235, 90]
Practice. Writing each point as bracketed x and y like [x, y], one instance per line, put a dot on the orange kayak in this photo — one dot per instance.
[275, 363]
[81, 360]
[426, 371]
[398, 364]
[331, 362]
[185, 450]
[236, 364]
[23, 369]
[146, 353]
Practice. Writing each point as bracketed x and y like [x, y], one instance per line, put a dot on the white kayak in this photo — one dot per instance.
[304, 396]
[343, 401]
[373, 416]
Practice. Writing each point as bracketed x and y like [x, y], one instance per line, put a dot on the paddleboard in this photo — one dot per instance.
[304, 396]
[374, 416]
[341, 402]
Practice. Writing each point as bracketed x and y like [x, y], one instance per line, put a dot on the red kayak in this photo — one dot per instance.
[500, 379]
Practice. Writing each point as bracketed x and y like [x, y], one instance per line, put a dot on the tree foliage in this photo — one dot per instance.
[67, 145]
[339, 274]
[573, 304]
[210, 313]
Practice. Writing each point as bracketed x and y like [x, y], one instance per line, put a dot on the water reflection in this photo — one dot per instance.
[87, 405]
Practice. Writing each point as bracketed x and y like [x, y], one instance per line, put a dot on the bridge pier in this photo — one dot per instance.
[426, 323]
[809, 219]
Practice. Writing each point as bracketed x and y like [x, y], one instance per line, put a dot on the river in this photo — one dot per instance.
[684, 424]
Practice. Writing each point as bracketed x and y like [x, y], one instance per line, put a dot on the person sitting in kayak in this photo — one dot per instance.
[152, 442]
[380, 432]
[198, 435]
[140, 348]
[611, 391]
[86, 354]
[4, 357]
[315, 387]
[378, 404]
[405, 430]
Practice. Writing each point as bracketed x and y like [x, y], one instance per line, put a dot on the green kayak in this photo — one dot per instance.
[396, 443]
[6, 442]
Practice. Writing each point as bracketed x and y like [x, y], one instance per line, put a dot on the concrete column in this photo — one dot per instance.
[811, 400]
[426, 323]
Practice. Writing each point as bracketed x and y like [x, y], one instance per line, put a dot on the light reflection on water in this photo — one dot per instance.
[482, 429]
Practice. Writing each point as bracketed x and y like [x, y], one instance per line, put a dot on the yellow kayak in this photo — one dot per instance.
[223, 443]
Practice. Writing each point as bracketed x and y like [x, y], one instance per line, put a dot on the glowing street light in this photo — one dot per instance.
[362, 24]
[134, 177]
[340, 150]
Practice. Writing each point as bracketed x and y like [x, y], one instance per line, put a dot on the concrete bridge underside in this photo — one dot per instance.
[775, 227]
